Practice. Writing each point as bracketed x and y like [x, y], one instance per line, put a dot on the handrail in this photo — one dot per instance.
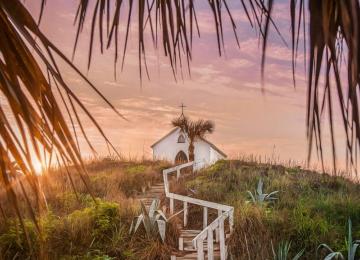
[211, 227]
[203, 203]
[224, 212]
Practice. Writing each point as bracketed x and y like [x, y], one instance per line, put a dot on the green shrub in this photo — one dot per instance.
[312, 206]
[135, 169]
[13, 241]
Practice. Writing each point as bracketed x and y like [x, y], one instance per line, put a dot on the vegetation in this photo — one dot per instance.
[351, 247]
[311, 208]
[76, 226]
[41, 122]
[259, 196]
[194, 130]
[154, 221]
[282, 252]
[30, 78]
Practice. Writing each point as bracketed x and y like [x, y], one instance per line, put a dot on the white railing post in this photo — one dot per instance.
[205, 216]
[231, 220]
[210, 244]
[181, 243]
[217, 229]
[222, 240]
[217, 225]
[177, 174]
[166, 183]
[200, 249]
[171, 206]
[185, 213]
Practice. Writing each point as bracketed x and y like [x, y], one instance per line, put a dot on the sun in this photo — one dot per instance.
[38, 167]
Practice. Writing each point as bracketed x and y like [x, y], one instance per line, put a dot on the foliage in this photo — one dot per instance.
[311, 209]
[154, 221]
[30, 78]
[135, 169]
[282, 252]
[259, 197]
[194, 130]
[77, 227]
[351, 246]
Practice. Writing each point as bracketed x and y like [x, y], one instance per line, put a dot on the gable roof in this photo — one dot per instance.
[202, 139]
[162, 138]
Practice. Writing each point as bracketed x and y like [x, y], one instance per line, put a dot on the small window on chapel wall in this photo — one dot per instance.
[181, 139]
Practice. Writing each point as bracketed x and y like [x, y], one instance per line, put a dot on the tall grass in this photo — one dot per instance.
[311, 208]
[78, 226]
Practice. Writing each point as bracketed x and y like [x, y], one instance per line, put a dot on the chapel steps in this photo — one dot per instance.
[156, 191]
[185, 249]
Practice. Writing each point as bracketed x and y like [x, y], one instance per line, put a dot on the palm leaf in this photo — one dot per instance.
[25, 62]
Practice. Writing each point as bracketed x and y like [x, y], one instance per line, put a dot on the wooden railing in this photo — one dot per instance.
[218, 225]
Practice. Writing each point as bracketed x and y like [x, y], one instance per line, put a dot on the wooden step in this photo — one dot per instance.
[150, 196]
[190, 248]
[189, 233]
[193, 255]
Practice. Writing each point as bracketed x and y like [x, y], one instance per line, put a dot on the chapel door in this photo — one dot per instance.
[180, 158]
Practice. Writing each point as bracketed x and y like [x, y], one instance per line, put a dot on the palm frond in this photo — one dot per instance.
[33, 122]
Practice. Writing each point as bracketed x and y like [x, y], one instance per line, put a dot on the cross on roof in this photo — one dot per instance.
[182, 109]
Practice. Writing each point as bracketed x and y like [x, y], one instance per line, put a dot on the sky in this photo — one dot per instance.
[226, 90]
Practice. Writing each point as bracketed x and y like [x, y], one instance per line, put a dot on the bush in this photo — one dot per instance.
[311, 207]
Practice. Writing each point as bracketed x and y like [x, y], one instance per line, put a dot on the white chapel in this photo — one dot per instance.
[173, 147]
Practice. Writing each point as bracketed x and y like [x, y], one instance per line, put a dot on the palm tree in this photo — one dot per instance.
[30, 77]
[194, 130]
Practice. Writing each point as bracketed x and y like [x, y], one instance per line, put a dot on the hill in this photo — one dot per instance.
[310, 209]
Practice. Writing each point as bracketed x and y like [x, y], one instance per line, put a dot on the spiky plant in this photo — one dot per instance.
[194, 130]
[282, 252]
[153, 221]
[351, 246]
[259, 197]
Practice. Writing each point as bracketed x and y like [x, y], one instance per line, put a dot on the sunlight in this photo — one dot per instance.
[38, 166]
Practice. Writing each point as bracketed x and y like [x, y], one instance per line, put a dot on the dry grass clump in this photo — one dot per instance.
[251, 237]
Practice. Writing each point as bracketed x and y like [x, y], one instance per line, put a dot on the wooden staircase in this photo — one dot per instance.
[156, 191]
[208, 243]
[188, 250]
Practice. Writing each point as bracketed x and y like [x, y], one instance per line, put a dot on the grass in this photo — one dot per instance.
[312, 208]
[76, 226]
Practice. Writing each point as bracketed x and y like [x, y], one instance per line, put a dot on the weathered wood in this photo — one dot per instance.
[181, 243]
[224, 212]
[231, 220]
[199, 202]
[200, 250]
[205, 217]
[171, 206]
[210, 244]
[186, 212]
[177, 174]
[222, 240]
[217, 229]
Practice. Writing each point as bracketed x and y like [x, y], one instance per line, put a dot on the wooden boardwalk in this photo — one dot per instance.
[207, 243]
[156, 191]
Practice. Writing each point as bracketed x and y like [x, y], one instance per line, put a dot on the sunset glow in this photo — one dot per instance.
[249, 118]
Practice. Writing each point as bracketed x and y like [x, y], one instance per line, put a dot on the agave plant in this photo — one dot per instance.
[154, 221]
[351, 247]
[282, 252]
[259, 197]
